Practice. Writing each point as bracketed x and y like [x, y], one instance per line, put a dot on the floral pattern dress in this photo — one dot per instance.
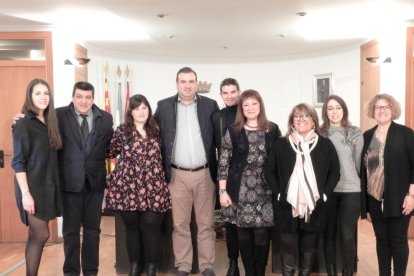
[138, 181]
[254, 207]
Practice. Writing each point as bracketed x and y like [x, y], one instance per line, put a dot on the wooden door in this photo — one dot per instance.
[370, 81]
[14, 77]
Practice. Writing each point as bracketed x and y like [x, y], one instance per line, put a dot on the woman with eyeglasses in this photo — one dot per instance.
[245, 195]
[345, 203]
[387, 175]
[303, 169]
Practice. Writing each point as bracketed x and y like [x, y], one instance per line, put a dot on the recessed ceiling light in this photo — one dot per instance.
[161, 15]
[169, 36]
[301, 13]
[225, 47]
[283, 35]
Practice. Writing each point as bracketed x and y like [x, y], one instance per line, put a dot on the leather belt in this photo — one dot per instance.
[190, 170]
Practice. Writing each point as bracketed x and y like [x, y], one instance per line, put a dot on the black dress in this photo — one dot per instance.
[33, 155]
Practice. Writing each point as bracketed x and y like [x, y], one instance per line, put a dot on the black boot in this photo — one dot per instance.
[305, 263]
[261, 254]
[233, 269]
[288, 264]
[134, 270]
[347, 272]
[151, 269]
[331, 270]
[247, 256]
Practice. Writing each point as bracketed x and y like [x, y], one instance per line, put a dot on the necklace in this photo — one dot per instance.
[246, 124]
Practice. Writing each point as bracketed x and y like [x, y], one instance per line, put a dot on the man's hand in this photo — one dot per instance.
[17, 117]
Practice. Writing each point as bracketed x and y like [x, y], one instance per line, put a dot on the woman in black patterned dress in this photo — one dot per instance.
[244, 192]
[137, 187]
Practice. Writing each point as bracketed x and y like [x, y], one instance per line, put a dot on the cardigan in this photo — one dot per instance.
[279, 168]
[239, 156]
[398, 168]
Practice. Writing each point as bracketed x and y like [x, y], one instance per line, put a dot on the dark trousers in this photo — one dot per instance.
[231, 241]
[143, 231]
[81, 209]
[392, 243]
[343, 213]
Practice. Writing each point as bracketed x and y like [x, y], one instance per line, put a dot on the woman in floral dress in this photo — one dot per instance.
[244, 192]
[137, 187]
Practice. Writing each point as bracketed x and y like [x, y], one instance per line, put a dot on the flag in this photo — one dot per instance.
[119, 112]
[127, 89]
[110, 163]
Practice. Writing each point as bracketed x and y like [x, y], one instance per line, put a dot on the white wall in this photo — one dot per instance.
[281, 84]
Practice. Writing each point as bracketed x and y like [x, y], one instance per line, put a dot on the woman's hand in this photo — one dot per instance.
[225, 200]
[28, 203]
[408, 204]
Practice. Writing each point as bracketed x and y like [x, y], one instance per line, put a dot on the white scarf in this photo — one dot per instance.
[302, 191]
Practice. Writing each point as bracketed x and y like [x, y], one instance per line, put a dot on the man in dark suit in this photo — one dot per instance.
[190, 165]
[222, 119]
[86, 131]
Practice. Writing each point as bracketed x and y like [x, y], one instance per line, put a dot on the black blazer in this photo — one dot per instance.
[77, 160]
[166, 115]
[398, 168]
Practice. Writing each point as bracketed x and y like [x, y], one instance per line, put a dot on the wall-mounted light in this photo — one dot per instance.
[77, 61]
[378, 60]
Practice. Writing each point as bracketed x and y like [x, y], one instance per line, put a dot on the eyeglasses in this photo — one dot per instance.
[382, 107]
[305, 117]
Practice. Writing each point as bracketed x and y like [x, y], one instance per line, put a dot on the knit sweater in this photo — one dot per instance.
[348, 144]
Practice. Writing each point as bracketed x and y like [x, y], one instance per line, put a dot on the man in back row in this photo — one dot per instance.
[222, 119]
[190, 166]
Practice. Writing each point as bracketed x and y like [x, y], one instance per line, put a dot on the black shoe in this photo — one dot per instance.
[347, 272]
[134, 270]
[331, 270]
[182, 273]
[305, 263]
[288, 264]
[233, 269]
[208, 272]
[151, 269]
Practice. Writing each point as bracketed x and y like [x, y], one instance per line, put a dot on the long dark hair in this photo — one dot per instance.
[150, 125]
[49, 113]
[262, 122]
[345, 123]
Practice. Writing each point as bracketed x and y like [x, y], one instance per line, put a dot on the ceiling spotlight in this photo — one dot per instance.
[378, 60]
[301, 13]
[161, 15]
[77, 61]
[283, 35]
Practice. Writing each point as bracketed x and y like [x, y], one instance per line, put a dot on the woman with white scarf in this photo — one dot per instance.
[303, 169]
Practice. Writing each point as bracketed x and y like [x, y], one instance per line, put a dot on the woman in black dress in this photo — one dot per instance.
[36, 140]
[303, 169]
[137, 187]
[244, 192]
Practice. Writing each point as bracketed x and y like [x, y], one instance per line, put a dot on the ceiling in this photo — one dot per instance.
[214, 30]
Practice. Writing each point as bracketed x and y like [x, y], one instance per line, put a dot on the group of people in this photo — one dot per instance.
[315, 181]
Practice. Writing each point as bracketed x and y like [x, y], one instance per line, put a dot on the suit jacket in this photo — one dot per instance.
[166, 115]
[398, 168]
[79, 161]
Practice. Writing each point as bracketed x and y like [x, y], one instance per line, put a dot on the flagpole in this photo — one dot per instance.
[119, 113]
[127, 88]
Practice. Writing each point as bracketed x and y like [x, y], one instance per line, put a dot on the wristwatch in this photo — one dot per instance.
[222, 191]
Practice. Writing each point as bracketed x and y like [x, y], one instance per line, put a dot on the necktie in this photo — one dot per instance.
[84, 126]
